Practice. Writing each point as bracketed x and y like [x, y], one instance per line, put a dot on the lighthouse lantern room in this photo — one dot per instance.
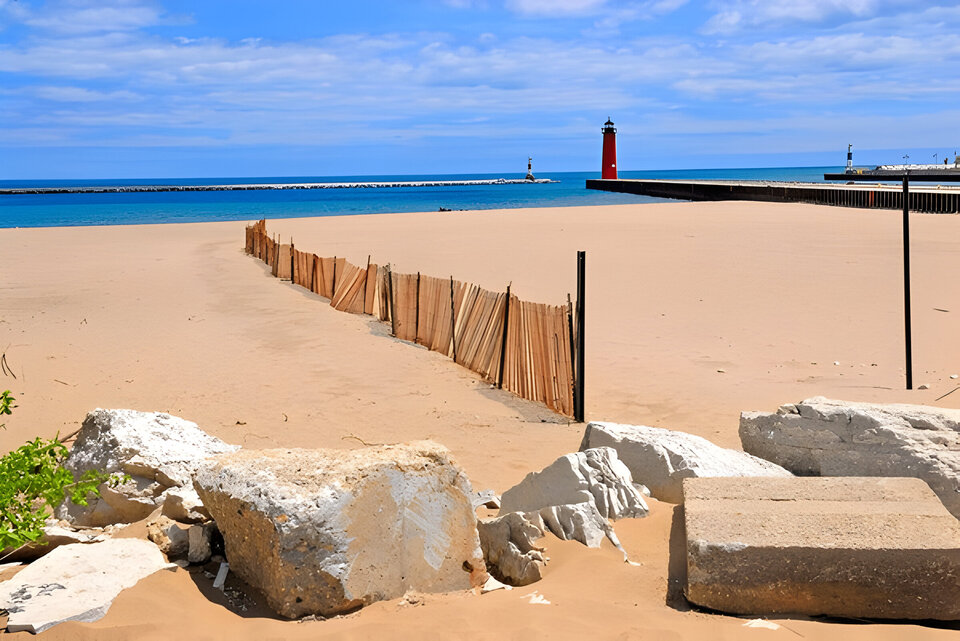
[609, 169]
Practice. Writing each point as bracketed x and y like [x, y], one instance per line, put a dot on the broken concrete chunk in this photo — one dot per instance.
[183, 504]
[838, 438]
[76, 582]
[486, 498]
[171, 537]
[327, 531]
[198, 542]
[576, 494]
[157, 451]
[221, 577]
[492, 585]
[661, 459]
[595, 476]
[842, 546]
[509, 549]
[577, 522]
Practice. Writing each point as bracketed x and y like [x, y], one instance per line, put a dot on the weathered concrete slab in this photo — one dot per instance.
[843, 546]
[76, 582]
[823, 437]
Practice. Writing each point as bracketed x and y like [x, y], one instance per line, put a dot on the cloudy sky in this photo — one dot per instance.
[167, 88]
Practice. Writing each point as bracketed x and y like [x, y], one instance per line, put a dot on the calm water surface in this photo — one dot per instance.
[48, 210]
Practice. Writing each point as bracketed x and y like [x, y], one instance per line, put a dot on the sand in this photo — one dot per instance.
[176, 318]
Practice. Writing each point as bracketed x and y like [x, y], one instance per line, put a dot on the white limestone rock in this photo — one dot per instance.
[76, 582]
[508, 543]
[823, 437]
[577, 493]
[327, 531]
[159, 452]
[576, 522]
[661, 458]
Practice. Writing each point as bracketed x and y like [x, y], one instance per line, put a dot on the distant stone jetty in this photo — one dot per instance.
[111, 189]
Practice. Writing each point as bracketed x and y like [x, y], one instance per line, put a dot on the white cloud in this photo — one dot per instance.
[555, 7]
[136, 88]
[78, 94]
[74, 17]
[83, 16]
[733, 15]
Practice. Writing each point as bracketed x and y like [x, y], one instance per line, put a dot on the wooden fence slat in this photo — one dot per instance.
[370, 289]
[405, 300]
[349, 294]
[283, 262]
[326, 268]
[463, 321]
[383, 291]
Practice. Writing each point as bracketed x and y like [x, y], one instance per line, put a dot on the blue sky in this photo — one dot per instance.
[168, 88]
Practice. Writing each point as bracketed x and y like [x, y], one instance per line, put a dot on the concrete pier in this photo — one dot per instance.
[875, 547]
[112, 189]
[923, 198]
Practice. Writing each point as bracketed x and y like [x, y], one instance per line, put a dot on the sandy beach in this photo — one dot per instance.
[695, 312]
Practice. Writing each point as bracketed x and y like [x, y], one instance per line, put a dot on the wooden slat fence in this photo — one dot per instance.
[460, 320]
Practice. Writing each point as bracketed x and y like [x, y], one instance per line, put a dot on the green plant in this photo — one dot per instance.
[33, 481]
[6, 406]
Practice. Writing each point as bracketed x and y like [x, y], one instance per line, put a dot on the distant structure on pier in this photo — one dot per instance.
[530, 168]
[944, 171]
[608, 170]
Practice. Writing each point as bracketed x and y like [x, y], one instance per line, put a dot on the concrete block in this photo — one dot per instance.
[328, 531]
[841, 546]
[76, 582]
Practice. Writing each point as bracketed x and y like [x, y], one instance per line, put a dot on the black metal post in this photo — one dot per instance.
[906, 280]
[581, 331]
[503, 338]
[333, 292]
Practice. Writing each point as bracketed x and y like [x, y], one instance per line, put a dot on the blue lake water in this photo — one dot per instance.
[48, 210]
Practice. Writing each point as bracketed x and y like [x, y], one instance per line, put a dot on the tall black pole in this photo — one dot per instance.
[503, 338]
[581, 331]
[393, 303]
[906, 280]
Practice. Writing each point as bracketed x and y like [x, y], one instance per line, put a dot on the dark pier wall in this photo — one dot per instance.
[921, 200]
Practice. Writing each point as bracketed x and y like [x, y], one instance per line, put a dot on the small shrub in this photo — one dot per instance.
[33, 481]
[6, 406]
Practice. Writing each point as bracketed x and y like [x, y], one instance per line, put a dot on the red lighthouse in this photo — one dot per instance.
[609, 169]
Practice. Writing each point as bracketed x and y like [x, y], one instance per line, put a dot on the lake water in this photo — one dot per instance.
[48, 210]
